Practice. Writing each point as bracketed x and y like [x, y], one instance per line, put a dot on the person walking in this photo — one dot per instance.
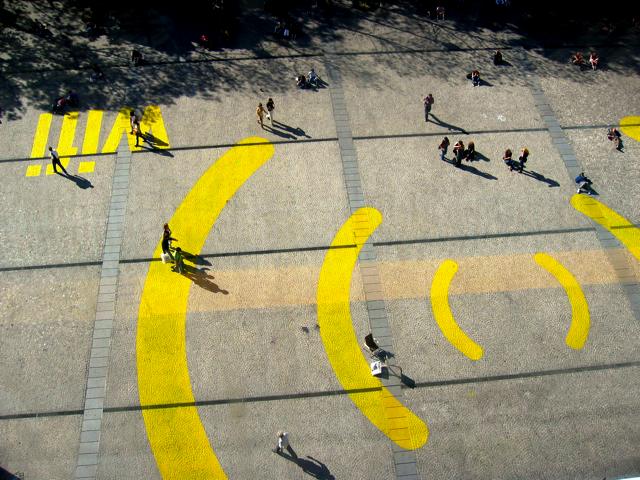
[443, 147]
[522, 159]
[138, 133]
[470, 153]
[132, 120]
[270, 108]
[260, 111]
[507, 158]
[283, 443]
[458, 152]
[179, 259]
[166, 240]
[428, 103]
[55, 161]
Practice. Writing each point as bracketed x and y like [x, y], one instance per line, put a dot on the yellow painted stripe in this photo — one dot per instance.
[86, 167]
[176, 435]
[42, 135]
[152, 122]
[580, 319]
[121, 126]
[442, 311]
[618, 226]
[33, 170]
[67, 135]
[342, 347]
[630, 126]
[92, 132]
[63, 161]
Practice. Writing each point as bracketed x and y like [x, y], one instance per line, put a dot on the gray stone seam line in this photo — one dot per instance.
[610, 244]
[404, 461]
[89, 448]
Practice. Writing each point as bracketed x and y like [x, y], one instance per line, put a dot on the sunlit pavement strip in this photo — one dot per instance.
[404, 460]
[608, 241]
[580, 319]
[177, 437]
[87, 464]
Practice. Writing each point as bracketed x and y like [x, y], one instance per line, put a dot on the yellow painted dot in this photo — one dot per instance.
[86, 167]
[33, 170]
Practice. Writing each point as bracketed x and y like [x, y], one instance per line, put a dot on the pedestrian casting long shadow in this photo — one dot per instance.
[201, 278]
[541, 178]
[470, 169]
[312, 467]
[81, 182]
[449, 126]
[297, 131]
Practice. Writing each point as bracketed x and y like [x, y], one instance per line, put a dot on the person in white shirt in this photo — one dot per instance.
[283, 443]
[55, 161]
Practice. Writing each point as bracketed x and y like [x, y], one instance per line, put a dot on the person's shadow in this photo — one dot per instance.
[201, 278]
[296, 131]
[81, 182]
[449, 126]
[312, 467]
[541, 178]
[470, 169]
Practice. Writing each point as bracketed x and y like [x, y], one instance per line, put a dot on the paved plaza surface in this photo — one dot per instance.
[511, 316]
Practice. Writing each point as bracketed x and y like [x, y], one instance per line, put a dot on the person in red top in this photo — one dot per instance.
[443, 147]
[428, 102]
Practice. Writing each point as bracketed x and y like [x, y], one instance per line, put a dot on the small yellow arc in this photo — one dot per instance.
[177, 437]
[341, 345]
[630, 126]
[618, 226]
[580, 318]
[442, 312]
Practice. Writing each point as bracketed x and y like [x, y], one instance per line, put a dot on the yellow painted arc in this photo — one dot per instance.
[340, 342]
[616, 224]
[92, 132]
[176, 435]
[442, 312]
[580, 318]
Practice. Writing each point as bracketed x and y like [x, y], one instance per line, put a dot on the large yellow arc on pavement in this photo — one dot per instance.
[580, 318]
[176, 435]
[341, 345]
[442, 312]
[618, 226]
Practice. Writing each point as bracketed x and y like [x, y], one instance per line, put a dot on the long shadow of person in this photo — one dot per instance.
[541, 178]
[81, 182]
[279, 132]
[479, 156]
[201, 278]
[312, 467]
[297, 131]
[470, 169]
[195, 259]
[449, 126]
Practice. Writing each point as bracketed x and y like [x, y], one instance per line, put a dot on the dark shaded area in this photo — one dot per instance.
[5, 475]
[53, 46]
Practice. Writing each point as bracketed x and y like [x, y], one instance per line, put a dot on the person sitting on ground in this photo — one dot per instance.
[584, 184]
[458, 152]
[593, 60]
[72, 99]
[59, 105]
[313, 77]
[475, 78]
[615, 136]
[497, 58]
[470, 152]
[577, 59]
[301, 81]
[508, 160]
[136, 57]
[524, 155]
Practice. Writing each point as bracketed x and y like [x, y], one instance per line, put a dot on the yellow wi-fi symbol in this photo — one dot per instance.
[177, 437]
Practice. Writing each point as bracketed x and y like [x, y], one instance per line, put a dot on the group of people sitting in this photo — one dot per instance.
[512, 164]
[312, 80]
[68, 100]
[578, 59]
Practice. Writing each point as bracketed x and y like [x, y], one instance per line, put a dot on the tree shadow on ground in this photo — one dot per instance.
[399, 38]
